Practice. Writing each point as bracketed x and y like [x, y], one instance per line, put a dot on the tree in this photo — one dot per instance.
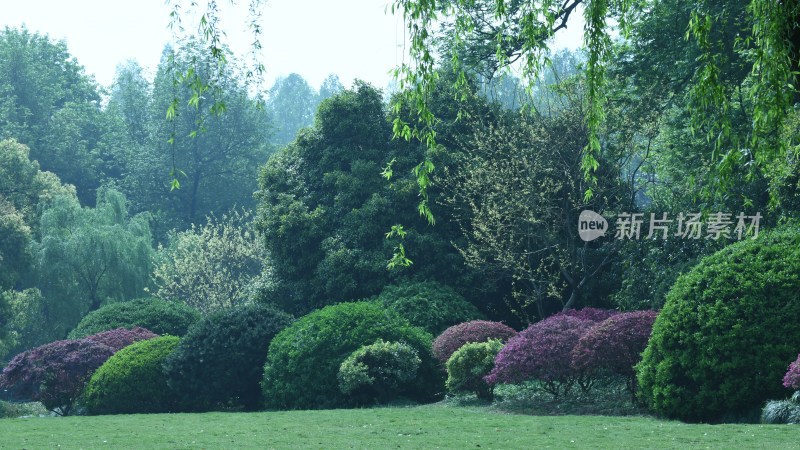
[24, 186]
[292, 103]
[516, 189]
[330, 87]
[217, 154]
[324, 210]
[51, 106]
[89, 255]
[211, 266]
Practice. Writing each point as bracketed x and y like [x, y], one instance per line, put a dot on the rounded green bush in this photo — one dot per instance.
[156, 315]
[467, 367]
[133, 381]
[429, 305]
[304, 359]
[728, 330]
[379, 372]
[220, 361]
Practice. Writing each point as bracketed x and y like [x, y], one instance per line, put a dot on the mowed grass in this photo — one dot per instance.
[433, 426]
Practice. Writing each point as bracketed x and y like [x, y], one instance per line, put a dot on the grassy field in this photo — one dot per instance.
[433, 426]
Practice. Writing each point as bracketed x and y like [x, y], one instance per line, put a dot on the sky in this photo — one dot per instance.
[351, 38]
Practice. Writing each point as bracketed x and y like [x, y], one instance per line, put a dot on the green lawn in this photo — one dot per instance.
[434, 426]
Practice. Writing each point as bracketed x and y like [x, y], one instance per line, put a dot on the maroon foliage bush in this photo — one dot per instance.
[591, 314]
[456, 336]
[615, 345]
[54, 374]
[121, 337]
[543, 352]
[792, 378]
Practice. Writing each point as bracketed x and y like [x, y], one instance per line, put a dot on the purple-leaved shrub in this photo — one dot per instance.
[456, 336]
[589, 313]
[54, 374]
[120, 338]
[542, 352]
[615, 345]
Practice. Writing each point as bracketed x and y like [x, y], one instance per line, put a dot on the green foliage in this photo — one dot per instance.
[88, 256]
[42, 85]
[24, 186]
[292, 102]
[220, 361]
[379, 372]
[156, 315]
[215, 155]
[725, 336]
[209, 267]
[14, 254]
[133, 381]
[467, 367]
[325, 209]
[26, 323]
[304, 359]
[515, 188]
[429, 305]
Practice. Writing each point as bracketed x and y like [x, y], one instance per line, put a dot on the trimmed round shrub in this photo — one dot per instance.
[475, 331]
[54, 374]
[468, 366]
[379, 372]
[792, 378]
[304, 359]
[156, 315]
[615, 345]
[428, 305]
[220, 361]
[729, 328]
[542, 352]
[133, 381]
[121, 337]
[589, 313]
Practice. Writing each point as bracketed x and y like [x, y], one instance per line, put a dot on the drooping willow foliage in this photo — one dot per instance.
[490, 35]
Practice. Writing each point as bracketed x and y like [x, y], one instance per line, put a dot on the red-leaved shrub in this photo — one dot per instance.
[54, 374]
[792, 378]
[543, 352]
[120, 338]
[456, 336]
[615, 345]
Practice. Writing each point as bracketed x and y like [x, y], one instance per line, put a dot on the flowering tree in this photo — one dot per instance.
[615, 345]
[456, 336]
[542, 352]
[54, 374]
[209, 266]
[120, 338]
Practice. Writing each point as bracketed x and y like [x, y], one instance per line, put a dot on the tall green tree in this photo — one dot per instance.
[292, 102]
[52, 106]
[217, 153]
[324, 209]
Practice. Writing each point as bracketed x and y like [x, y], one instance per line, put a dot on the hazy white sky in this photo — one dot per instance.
[352, 38]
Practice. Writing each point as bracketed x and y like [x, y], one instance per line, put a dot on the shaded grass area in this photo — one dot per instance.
[432, 426]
